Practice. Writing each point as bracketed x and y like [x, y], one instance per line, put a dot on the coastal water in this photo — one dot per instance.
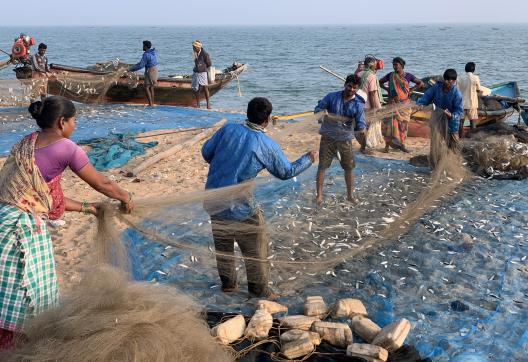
[486, 271]
[284, 61]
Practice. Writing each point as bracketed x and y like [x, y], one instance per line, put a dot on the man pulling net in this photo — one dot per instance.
[237, 153]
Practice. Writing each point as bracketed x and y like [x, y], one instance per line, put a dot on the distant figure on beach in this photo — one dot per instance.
[40, 70]
[399, 90]
[31, 193]
[236, 154]
[446, 96]
[336, 135]
[469, 85]
[149, 61]
[202, 61]
[370, 85]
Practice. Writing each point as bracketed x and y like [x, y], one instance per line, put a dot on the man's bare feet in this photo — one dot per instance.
[352, 199]
[319, 199]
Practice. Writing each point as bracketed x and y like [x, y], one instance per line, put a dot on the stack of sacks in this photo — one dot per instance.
[303, 333]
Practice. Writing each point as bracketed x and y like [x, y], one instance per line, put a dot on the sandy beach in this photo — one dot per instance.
[182, 172]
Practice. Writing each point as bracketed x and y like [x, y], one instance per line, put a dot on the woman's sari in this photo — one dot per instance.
[395, 126]
[28, 281]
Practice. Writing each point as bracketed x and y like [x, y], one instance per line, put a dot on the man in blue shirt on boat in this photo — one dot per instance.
[149, 61]
[344, 115]
[236, 154]
[448, 99]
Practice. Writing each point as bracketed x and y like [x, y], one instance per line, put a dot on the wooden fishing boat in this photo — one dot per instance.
[87, 85]
[502, 102]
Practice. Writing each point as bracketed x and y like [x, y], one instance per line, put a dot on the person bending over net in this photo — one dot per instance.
[236, 153]
[336, 134]
[30, 194]
[446, 96]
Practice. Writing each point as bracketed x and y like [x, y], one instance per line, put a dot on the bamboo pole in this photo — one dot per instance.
[169, 152]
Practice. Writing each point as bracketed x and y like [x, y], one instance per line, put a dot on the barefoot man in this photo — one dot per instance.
[202, 61]
[237, 153]
[337, 134]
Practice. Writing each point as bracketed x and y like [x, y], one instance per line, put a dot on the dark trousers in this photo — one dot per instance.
[252, 239]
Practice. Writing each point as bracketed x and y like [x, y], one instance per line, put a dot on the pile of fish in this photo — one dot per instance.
[299, 335]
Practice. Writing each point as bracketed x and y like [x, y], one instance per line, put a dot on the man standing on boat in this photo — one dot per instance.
[448, 99]
[40, 70]
[236, 154]
[469, 85]
[202, 61]
[336, 134]
[149, 61]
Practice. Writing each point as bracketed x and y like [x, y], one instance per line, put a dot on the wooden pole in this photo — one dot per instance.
[169, 152]
[334, 74]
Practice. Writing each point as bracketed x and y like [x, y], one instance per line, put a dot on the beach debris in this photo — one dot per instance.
[297, 348]
[297, 334]
[230, 331]
[301, 322]
[336, 334]
[367, 352]
[365, 328]
[392, 336]
[271, 307]
[348, 308]
[315, 306]
[259, 326]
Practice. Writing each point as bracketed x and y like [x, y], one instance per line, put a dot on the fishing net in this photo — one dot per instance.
[304, 240]
[109, 318]
[76, 84]
[89, 87]
[15, 93]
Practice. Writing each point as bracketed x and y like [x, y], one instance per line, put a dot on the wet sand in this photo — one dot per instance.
[182, 172]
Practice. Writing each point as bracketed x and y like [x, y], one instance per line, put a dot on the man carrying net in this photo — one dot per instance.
[237, 153]
[445, 122]
[336, 135]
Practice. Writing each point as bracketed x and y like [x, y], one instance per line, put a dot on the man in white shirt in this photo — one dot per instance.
[469, 86]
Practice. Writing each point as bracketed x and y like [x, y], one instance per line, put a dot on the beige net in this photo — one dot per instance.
[293, 240]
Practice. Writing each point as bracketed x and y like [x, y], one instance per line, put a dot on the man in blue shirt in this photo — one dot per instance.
[337, 132]
[237, 153]
[446, 96]
[149, 61]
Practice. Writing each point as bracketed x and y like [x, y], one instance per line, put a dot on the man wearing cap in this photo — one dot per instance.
[370, 85]
[149, 61]
[40, 70]
[202, 61]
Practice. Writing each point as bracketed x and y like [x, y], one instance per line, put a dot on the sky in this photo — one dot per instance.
[261, 12]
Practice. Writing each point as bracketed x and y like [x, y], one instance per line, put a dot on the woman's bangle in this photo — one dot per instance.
[85, 207]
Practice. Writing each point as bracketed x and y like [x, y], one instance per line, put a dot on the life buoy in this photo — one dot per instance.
[19, 49]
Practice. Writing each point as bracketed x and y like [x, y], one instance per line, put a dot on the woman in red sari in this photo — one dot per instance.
[30, 193]
[395, 127]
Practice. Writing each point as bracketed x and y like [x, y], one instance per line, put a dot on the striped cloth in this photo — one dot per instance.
[199, 79]
[28, 281]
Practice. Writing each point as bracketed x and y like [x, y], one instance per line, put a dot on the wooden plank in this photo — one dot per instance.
[174, 149]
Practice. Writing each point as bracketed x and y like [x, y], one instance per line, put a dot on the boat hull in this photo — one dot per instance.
[169, 91]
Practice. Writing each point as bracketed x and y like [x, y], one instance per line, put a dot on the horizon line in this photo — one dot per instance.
[259, 25]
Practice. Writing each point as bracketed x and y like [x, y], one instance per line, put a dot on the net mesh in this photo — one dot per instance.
[304, 240]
